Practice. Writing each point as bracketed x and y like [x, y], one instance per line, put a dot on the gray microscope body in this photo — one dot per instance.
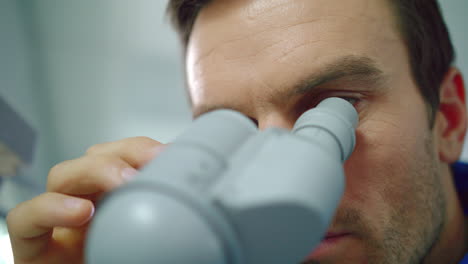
[225, 193]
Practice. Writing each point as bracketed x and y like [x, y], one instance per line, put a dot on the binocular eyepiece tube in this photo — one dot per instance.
[225, 193]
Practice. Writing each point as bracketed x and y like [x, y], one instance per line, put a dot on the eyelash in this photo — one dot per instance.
[312, 100]
[352, 100]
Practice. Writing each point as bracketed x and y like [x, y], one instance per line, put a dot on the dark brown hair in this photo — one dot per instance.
[420, 22]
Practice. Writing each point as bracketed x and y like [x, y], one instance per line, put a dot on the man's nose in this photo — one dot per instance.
[275, 119]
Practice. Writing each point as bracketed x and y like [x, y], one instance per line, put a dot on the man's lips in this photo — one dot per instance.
[329, 243]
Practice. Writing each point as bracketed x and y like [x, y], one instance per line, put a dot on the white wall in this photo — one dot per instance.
[19, 86]
[455, 15]
[113, 71]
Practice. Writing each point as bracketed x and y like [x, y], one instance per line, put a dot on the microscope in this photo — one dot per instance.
[225, 193]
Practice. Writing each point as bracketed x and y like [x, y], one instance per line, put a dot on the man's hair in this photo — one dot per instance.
[420, 22]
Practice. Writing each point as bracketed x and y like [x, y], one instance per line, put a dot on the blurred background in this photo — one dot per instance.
[77, 73]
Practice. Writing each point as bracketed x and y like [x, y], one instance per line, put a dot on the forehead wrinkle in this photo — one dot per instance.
[256, 37]
[301, 19]
[329, 73]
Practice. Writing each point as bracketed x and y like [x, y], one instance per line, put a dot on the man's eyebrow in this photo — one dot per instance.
[355, 68]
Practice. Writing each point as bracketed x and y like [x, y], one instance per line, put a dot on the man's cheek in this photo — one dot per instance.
[363, 172]
[380, 160]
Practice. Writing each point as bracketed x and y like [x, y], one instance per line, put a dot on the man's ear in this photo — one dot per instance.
[450, 123]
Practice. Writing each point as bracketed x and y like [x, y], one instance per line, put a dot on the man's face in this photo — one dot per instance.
[273, 60]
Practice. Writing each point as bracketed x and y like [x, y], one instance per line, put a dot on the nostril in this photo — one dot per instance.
[254, 120]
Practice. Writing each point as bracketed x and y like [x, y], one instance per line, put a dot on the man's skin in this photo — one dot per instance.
[272, 60]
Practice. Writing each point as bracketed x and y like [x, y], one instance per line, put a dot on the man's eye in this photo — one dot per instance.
[351, 100]
[308, 103]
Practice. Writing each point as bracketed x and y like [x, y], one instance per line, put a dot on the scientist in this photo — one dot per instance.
[274, 59]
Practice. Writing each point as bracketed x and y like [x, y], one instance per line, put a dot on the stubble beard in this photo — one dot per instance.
[415, 225]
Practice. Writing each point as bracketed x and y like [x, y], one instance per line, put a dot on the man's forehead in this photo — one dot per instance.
[261, 25]
[263, 12]
[278, 44]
